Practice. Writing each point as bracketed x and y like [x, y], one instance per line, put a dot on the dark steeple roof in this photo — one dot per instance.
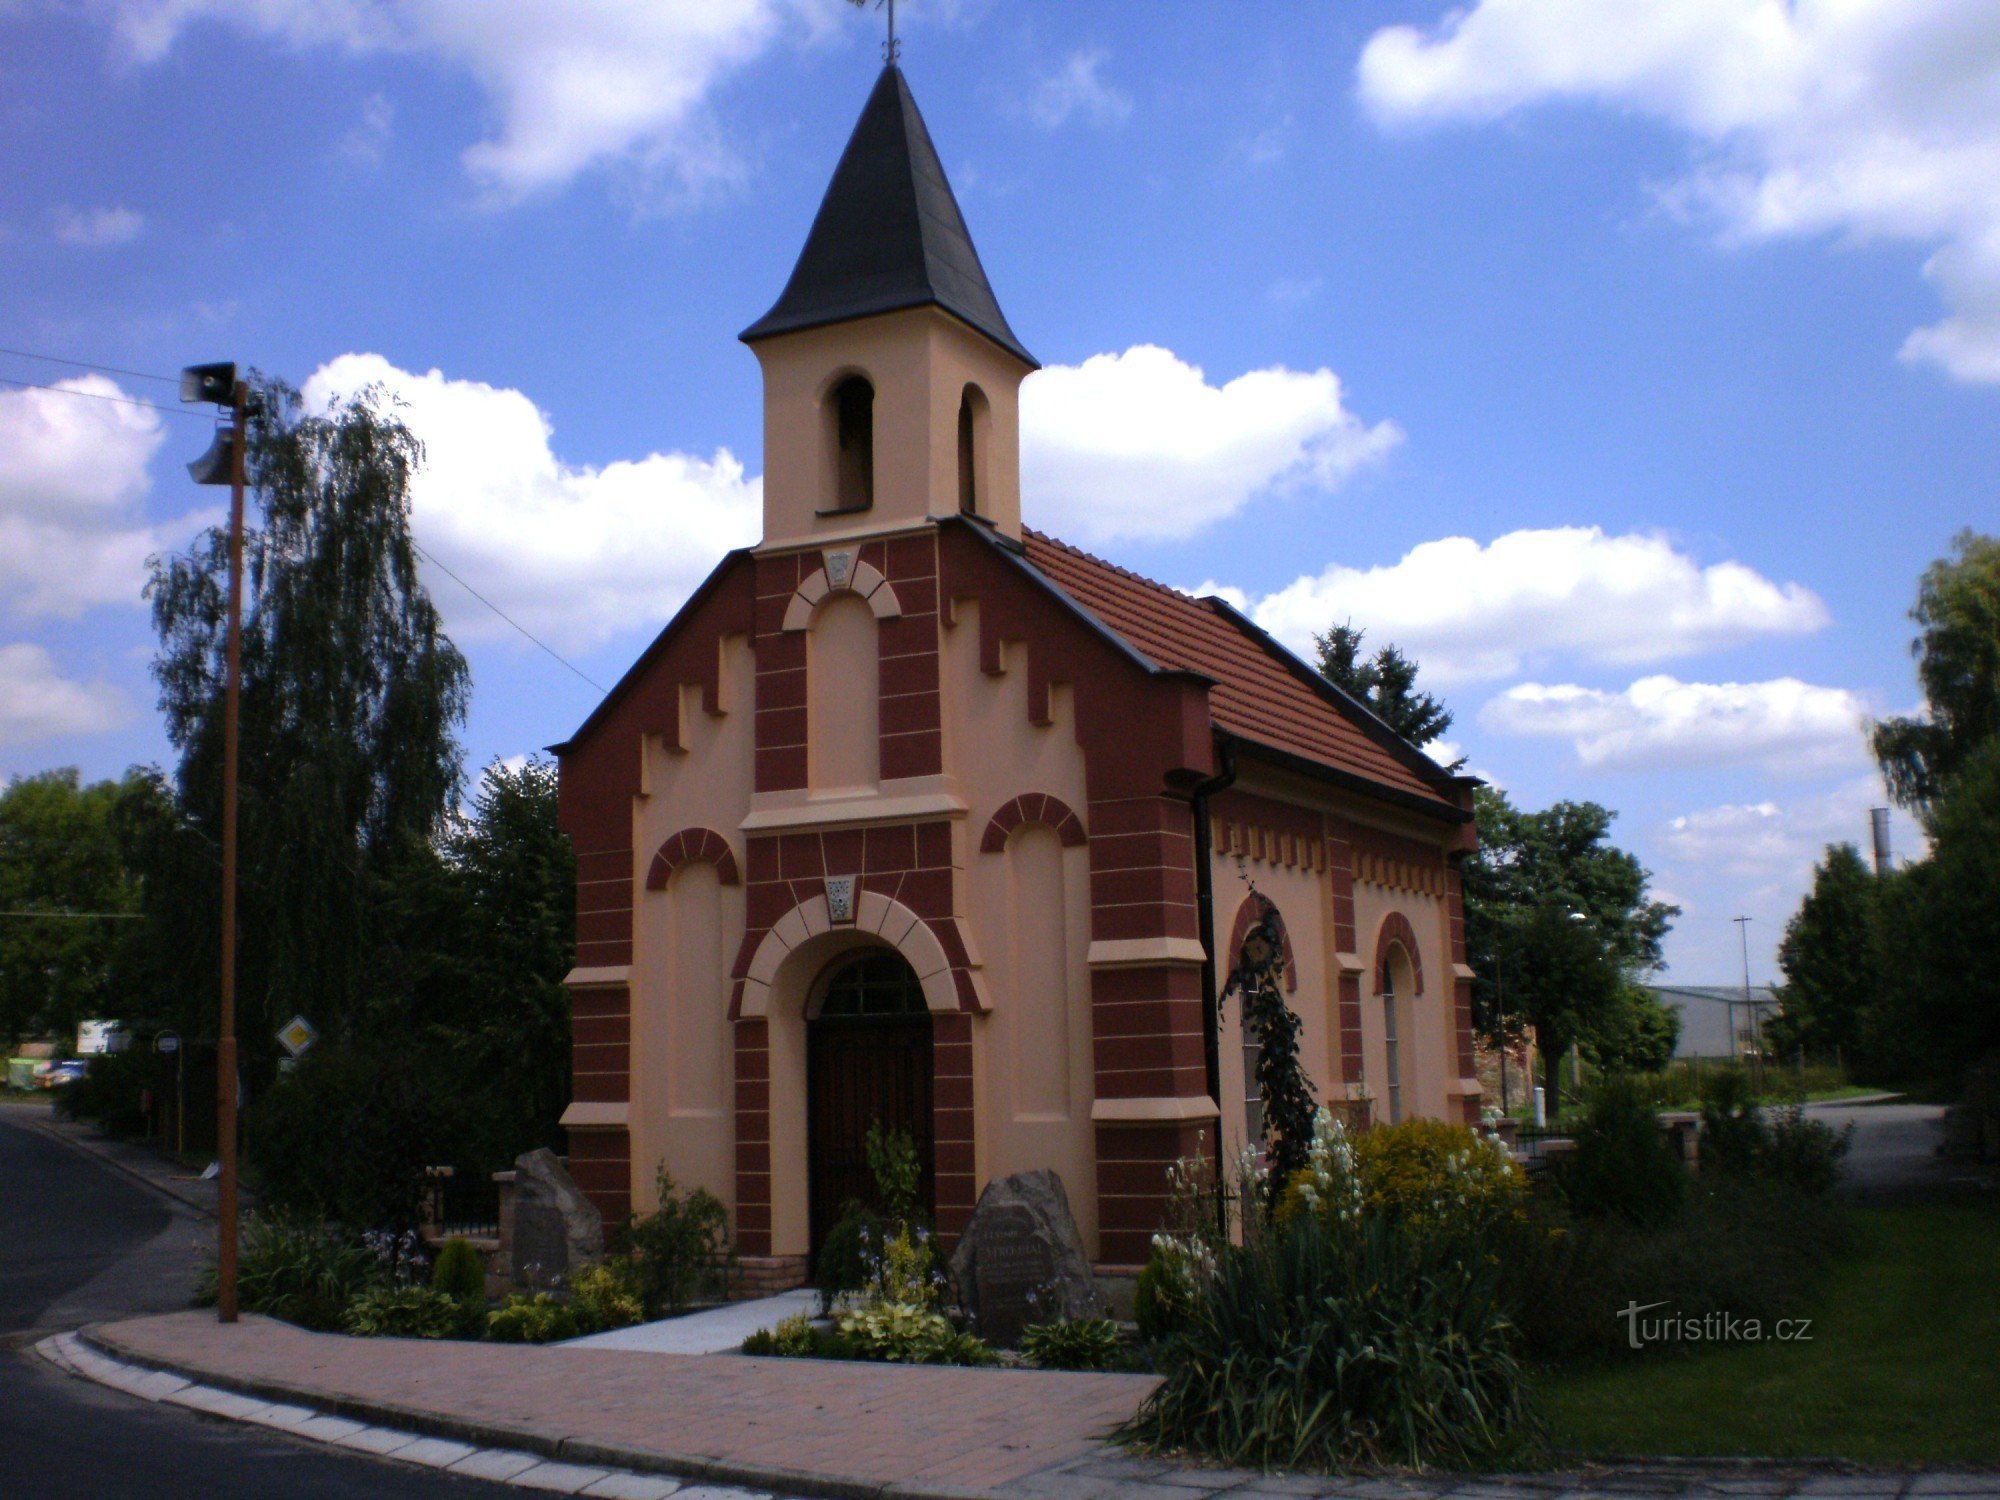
[888, 234]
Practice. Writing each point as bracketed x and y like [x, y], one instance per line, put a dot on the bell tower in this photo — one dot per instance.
[891, 379]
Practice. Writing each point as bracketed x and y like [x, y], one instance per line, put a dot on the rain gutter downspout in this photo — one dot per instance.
[1204, 898]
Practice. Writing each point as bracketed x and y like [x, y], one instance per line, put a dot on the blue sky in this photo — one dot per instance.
[1624, 360]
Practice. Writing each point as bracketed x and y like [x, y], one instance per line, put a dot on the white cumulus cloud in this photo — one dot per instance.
[37, 702]
[575, 553]
[72, 478]
[573, 84]
[96, 228]
[1871, 119]
[1078, 88]
[1773, 838]
[1468, 611]
[1141, 445]
[1788, 727]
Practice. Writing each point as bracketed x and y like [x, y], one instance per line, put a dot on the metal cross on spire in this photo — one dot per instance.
[891, 49]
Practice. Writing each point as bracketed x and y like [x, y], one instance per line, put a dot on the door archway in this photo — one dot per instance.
[868, 1059]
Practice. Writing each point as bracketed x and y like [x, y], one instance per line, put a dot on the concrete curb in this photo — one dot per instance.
[542, 1442]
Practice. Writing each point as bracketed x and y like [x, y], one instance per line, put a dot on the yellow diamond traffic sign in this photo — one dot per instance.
[296, 1035]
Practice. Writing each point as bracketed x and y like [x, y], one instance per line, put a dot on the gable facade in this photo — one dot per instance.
[911, 812]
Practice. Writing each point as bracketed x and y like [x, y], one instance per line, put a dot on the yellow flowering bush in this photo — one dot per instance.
[1428, 1173]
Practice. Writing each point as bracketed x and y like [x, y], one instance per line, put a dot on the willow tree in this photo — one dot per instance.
[352, 697]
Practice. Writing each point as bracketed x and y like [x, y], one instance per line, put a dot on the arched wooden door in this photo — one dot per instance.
[868, 1059]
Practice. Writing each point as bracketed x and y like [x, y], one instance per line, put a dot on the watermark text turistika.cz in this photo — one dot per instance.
[1709, 1328]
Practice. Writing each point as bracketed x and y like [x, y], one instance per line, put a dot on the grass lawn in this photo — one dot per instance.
[1903, 1365]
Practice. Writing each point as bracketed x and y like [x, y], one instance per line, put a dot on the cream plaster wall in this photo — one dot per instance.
[843, 677]
[919, 363]
[682, 1043]
[1032, 1054]
[1428, 1042]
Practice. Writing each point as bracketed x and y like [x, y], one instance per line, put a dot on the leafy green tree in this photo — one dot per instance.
[352, 697]
[1828, 959]
[1958, 664]
[1937, 927]
[1635, 1035]
[1386, 682]
[1560, 860]
[1563, 982]
[60, 858]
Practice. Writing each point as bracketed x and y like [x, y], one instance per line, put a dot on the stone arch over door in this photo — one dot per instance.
[774, 997]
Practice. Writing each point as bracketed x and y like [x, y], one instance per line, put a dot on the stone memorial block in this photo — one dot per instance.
[1021, 1260]
[556, 1228]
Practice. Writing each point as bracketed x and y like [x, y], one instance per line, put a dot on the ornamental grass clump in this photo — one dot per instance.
[1072, 1344]
[1364, 1327]
[1329, 1345]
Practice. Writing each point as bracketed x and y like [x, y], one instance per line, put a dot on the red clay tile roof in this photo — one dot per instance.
[1262, 693]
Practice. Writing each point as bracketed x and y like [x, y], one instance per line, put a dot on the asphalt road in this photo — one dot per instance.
[80, 1242]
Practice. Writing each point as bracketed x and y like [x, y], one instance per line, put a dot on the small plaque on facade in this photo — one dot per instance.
[839, 568]
[840, 897]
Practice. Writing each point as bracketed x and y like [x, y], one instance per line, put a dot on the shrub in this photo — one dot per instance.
[1732, 1129]
[459, 1272]
[606, 1296]
[346, 1137]
[898, 1318]
[1623, 1166]
[791, 1339]
[1435, 1176]
[680, 1252]
[298, 1270]
[109, 1094]
[1072, 1344]
[539, 1319]
[409, 1312]
[1158, 1304]
[850, 1248]
[1804, 1154]
[898, 1173]
[1323, 1345]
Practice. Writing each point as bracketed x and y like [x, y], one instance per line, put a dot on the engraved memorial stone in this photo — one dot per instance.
[1021, 1260]
[556, 1228]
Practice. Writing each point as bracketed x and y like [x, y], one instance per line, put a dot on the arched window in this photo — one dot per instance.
[853, 403]
[972, 422]
[1398, 985]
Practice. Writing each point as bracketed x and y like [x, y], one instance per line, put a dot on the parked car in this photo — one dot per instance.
[56, 1072]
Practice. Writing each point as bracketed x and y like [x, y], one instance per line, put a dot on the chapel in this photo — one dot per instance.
[914, 815]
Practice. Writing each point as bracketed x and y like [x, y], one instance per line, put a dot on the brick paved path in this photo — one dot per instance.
[848, 1430]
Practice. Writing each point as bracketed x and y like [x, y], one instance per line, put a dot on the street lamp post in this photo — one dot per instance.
[224, 464]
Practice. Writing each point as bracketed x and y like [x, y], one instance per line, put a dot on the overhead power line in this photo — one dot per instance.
[529, 634]
[63, 390]
[84, 364]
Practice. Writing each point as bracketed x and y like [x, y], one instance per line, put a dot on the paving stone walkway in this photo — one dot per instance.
[844, 1431]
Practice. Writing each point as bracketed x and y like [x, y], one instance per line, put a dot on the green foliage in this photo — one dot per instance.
[1623, 1166]
[1558, 859]
[1732, 1130]
[60, 852]
[898, 1319]
[1563, 980]
[1158, 1305]
[792, 1338]
[1637, 1034]
[607, 1295]
[1385, 682]
[347, 1136]
[352, 696]
[1320, 1346]
[1936, 932]
[537, 1319]
[1433, 1177]
[1804, 1154]
[411, 1312]
[1958, 663]
[298, 1270]
[1282, 1084]
[1072, 1344]
[1829, 961]
[109, 1094]
[898, 1174]
[849, 1250]
[459, 1272]
[680, 1252]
